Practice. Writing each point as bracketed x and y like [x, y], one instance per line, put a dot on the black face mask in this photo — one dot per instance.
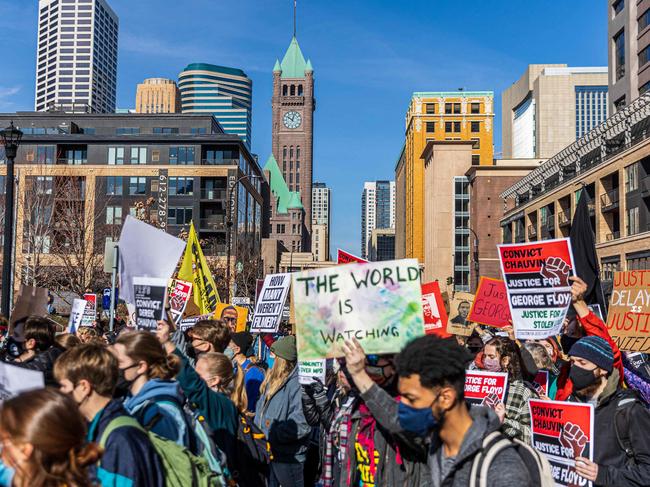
[581, 378]
[123, 384]
[14, 348]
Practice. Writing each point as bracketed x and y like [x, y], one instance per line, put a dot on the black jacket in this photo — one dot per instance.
[43, 362]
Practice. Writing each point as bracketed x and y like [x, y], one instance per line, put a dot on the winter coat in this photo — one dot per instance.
[158, 407]
[129, 458]
[43, 362]
[282, 420]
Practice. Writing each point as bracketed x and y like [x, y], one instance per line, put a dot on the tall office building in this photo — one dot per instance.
[226, 93]
[551, 106]
[628, 51]
[76, 64]
[157, 95]
[377, 211]
[321, 212]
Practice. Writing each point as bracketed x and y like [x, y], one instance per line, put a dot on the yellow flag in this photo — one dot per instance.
[195, 269]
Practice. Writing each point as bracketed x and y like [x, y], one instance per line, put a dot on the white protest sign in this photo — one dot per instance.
[270, 303]
[310, 370]
[14, 380]
[146, 251]
[76, 313]
[149, 294]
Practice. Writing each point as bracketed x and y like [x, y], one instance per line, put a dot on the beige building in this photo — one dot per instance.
[382, 244]
[157, 95]
[611, 163]
[549, 107]
[320, 242]
[400, 207]
[301, 261]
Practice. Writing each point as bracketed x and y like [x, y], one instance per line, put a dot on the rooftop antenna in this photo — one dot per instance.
[294, 17]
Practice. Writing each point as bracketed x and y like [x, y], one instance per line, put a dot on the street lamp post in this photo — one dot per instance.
[11, 140]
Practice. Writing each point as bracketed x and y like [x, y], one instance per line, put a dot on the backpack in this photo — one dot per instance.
[622, 428]
[253, 453]
[181, 468]
[536, 463]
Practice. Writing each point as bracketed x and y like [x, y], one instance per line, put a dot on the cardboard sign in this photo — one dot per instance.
[270, 303]
[32, 301]
[179, 295]
[486, 388]
[433, 307]
[378, 303]
[344, 257]
[541, 382]
[14, 380]
[539, 291]
[628, 319]
[308, 371]
[563, 431]
[150, 294]
[242, 315]
[76, 314]
[490, 305]
[459, 309]
[90, 311]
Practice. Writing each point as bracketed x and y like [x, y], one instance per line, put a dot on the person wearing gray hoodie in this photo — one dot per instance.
[432, 412]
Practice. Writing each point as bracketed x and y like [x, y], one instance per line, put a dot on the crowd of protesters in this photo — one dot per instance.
[136, 408]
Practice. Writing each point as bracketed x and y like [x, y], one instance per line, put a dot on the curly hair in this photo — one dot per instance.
[508, 348]
[438, 362]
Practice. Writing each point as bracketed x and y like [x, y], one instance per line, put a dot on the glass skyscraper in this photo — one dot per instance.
[377, 211]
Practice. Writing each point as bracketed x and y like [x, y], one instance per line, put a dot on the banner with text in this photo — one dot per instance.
[563, 431]
[459, 308]
[179, 295]
[541, 382]
[90, 311]
[309, 371]
[344, 257]
[490, 305]
[433, 307]
[486, 388]
[270, 303]
[537, 280]
[378, 303]
[628, 318]
[149, 294]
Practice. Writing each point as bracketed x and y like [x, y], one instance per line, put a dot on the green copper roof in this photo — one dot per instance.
[287, 200]
[293, 63]
[277, 66]
[215, 68]
[309, 67]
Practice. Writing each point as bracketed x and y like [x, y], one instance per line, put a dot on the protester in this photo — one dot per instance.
[217, 372]
[43, 440]
[89, 374]
[279, 415]
[155, 400]
[229, 317]
[431, 384]
[543, 362]
[209, 336]
[66, 341]
[242, 355]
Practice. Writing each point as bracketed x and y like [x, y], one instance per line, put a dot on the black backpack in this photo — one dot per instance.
[253, 458]
[622, 427]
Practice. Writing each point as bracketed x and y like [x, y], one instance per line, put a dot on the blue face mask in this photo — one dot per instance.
[416, 420]
[269, 361]
[228, 352]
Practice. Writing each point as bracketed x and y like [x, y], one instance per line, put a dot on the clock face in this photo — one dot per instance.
[292, 120]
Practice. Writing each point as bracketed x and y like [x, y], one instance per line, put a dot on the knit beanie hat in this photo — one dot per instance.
[596, 350]
[285, 348]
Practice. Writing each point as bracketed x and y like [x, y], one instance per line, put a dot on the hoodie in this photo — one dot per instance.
[158, 407]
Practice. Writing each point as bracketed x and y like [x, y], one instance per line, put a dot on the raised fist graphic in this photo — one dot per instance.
[556, 270]
[573, 438]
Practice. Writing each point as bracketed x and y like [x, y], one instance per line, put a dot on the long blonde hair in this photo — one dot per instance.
[232, 380]
[276, 377]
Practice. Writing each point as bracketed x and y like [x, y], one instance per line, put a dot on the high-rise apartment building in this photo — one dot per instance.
[551, 106]
[437, 116]
[76, 63]
[377, 211]
[157, 95]
[226, 93]
[321, 213]
[628, 51]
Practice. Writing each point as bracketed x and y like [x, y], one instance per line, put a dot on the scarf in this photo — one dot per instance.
[336, 438]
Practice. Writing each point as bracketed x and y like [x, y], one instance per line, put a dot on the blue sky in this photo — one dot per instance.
[368, 57]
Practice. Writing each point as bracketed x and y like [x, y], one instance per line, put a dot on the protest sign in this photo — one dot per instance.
[146, 251]
[242, 315]
[537, 280]
[14, 380]
[187, 323]
[242, 301]
[433, 307]
[195, 268]
[90, 311]
[490, 305]
[378, 303]
[459, 323]
[563, 431]
[179, 295]
[486, 388]
[541, 382]
[76, 313]
[628, 318]
[150, 294]
[32, 301]
[595, 309]
[310, 370]
[344, 257]
[270, 303]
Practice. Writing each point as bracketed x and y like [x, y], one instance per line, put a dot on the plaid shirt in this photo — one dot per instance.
[517, 422]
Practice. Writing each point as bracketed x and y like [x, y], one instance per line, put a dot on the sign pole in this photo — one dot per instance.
[116, 253]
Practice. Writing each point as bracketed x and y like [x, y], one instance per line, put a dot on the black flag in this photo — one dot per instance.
[583, 243]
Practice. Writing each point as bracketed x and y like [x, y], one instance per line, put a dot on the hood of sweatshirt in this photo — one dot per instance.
[154, 390]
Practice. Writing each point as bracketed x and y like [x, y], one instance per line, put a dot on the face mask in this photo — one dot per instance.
[270, 361]
[13, 347]
[416, 420]
[581, 378]
[491, 364]
[228, 352]
[122, 382]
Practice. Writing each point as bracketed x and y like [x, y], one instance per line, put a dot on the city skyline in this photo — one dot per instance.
[368, 145]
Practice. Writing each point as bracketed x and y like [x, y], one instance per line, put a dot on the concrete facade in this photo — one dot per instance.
[400, 208]
[377, 211]
[320, 245]
[382, 244]
[321, 217]
[157, 95]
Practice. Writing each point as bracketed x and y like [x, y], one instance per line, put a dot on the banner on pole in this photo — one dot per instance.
[490, 305]
[628, 318]
[563, 431]
[344, 257]
[537, 280]
[433, 307]
[150, 294]
[270, 303]
[378, 303]
[459, 308]
[486, 388]
[179, 295]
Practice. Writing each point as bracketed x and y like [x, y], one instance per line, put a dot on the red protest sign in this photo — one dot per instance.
[490, 305]
[541, 382]
[485, 388]
[179, 295]
[628, 318]
[563, 431]
[433, 307]
[347, 258]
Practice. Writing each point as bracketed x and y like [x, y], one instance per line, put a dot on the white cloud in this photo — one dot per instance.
[8, 91]
[7, 94]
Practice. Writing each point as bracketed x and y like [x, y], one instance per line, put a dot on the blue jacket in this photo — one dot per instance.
[283, 422]
[158, 407]
[253, 378]
[129, 458]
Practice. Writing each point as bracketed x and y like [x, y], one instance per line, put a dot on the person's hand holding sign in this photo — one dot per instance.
[493, 401]
[578, 291]
[586, 468]
[557, 271]
[355, 361]
[573, 438]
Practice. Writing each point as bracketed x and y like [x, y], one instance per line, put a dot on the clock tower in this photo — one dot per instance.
[293, 106]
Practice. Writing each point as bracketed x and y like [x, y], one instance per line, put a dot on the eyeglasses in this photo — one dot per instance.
[229, 319]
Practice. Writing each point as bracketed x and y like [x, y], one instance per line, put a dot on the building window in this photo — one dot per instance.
[618, 7]
[179, 215]
[113, 215]
[633, 221]
[619, 54]
[430, 108]
[116, 155]
[632, 177]
[638, 261]
[198, 131]
[476, 159]
[620, 103]
[644, 56]
[452, 108]
[453, 127]
[280, 228]
[644, 20]
[114, 185]
[124, 130]
[431, 127]
[461, 229]
[181, 186]
[137, 186]
[476, 143]
[138, 155]
[475, 108]
[181, 155]
[644, 88]
[45, 154]
[475, 127]
[165, 130]
[609, 267]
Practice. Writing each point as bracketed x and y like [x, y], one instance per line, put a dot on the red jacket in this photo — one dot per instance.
[593, 326]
